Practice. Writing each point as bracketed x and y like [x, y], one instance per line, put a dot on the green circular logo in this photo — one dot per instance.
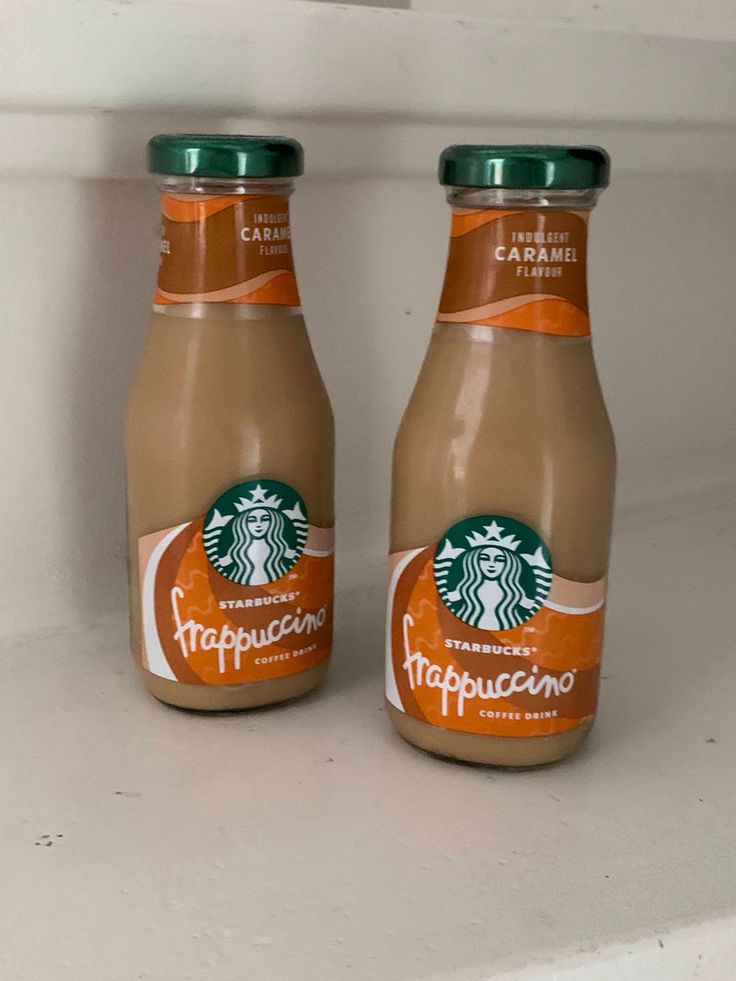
[255, 532]
[492, 572]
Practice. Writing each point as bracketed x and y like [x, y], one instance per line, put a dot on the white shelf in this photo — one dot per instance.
[309, 841]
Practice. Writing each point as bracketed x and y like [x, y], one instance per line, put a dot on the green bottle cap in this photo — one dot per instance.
[224, 156]
[562, 168]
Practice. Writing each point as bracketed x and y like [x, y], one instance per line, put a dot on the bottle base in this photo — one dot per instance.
[513, 753]
[234, 698]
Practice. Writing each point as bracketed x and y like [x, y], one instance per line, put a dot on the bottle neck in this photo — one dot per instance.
[225, 248]
[517, 259]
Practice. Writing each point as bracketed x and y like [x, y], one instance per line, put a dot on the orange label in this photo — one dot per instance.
[242, 594]
[482, 637]
[234, 248]
[520, 269]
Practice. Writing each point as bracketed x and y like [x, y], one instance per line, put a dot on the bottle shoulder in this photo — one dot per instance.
[503, 389]
[228, 370]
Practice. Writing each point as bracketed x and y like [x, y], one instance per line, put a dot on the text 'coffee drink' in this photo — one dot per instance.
[229, 441]
[503, 474]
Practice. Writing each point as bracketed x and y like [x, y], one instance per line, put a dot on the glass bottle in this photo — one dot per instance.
[503, 474]
[229, 441]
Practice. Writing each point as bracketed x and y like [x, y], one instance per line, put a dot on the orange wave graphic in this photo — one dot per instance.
[187, 581]
[184, 209]
[477, 314]
[281, 291]
[250, 290]
[187, 207]
[422, 643]
[423, 607]
[195, 611]
[467, 220]
[548, 316]
[543, 312]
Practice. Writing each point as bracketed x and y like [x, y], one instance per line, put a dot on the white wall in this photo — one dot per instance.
[714, 19]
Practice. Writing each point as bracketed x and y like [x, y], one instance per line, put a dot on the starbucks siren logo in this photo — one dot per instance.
[255, 532]
[492, 572]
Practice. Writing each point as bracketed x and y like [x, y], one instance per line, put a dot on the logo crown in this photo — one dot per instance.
[259, 498]
[493, 535]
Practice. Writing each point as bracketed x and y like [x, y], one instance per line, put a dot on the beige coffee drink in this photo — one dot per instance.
[503, 474]
[229, 441]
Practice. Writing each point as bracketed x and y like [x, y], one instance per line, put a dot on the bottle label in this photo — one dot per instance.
[233, 248]
[241, 594]
[520, 269]
[483, 637]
